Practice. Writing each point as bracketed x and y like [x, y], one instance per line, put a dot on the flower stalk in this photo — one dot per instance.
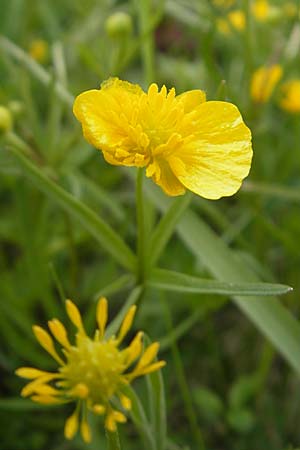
[113, 441]
[140, 219]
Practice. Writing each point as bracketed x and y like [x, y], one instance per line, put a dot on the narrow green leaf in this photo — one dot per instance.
[107, 237]
[156, 396]
[165, 227]
[270, 317]
[139, 418]
[179, 282]
[16, 404]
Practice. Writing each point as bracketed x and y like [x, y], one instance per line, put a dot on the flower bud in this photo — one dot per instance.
[5, 120]
[118, 25]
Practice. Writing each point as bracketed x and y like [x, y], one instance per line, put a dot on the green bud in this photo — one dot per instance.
[16, 107]
[118, 25]
[6, 121]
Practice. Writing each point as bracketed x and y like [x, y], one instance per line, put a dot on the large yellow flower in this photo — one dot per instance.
[92, 372]
[183, 141]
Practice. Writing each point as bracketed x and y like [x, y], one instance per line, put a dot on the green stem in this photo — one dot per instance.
[113, 441]
[183, 385]
[145, 13]
[140, 219]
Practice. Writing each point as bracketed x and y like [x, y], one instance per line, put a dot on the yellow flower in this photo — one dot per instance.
[38, 50]
[237, 19]
[263, 82]
[290, 100]
[183, 141]
[91, 371]
[264, 12]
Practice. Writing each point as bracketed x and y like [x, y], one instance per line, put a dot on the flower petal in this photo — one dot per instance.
[191, 99]
[217, 159]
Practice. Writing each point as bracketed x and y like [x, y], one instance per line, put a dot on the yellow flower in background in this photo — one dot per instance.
[38, 50]
[92, 372]
[237, 19]
[264, 81]
[263, 11]
[290, 100]
[184, 141]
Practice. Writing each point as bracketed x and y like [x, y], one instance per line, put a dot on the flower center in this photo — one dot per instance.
[96, 364]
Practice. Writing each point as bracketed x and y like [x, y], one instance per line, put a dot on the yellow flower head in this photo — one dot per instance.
[38, 50]
[264, 12]
[237, 19]
[290, 100]
[183, 141]
[92, 372]
[264, 81]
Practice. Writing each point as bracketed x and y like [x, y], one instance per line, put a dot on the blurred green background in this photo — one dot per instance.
[244, 395]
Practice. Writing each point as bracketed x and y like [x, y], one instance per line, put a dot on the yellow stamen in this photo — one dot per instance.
[74, 315]
[46, 342]
[102, 315]
[59, 332]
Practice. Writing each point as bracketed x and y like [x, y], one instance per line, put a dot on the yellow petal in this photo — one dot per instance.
[46, 342]
[74, 315]
[99, 409]
[31, 373]
[59, 332]
[191, 99]
[119, 417]
[134, 349]
[149, 354]
[109, 121]
[71, 425]
[80, 390]
[127, 322]
[110, 423]
[151, 368]
[47, 400]
[86, 432]
[160, 172]
[125, 401]
[218, 157]
[102, 315]
[30, 388]
[45, 389]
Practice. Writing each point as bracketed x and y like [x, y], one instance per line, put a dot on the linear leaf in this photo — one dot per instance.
[270, 317]
[179, 282]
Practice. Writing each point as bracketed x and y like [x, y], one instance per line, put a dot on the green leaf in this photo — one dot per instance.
[156, 399]
[165, 228]
[19, 404]
[139, 418]
[179, 282]
[270, 317]
[104, 234]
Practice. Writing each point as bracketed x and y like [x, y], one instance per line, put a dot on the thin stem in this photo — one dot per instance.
[183, 385]
[140, 219]
[147, 47]
[113, 441]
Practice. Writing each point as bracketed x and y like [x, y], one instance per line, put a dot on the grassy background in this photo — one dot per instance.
[242, 393]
